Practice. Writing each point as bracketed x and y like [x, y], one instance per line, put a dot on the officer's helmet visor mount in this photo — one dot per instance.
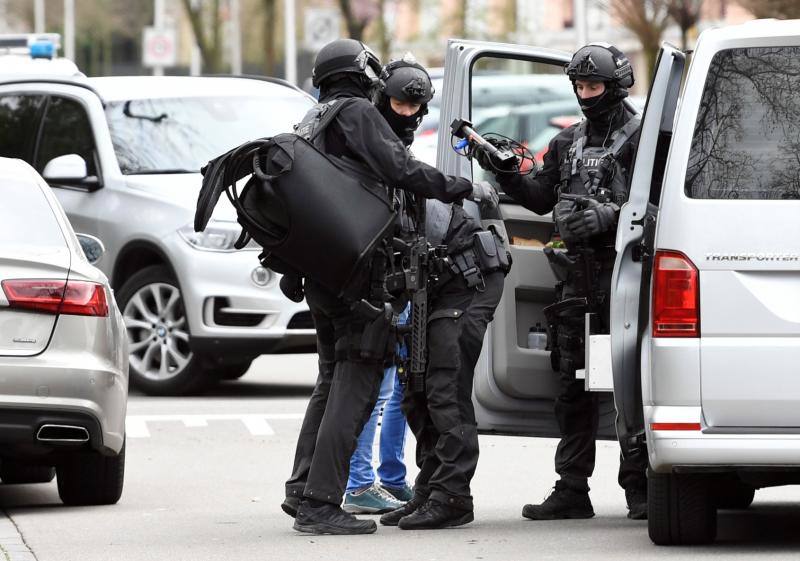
[406, 80]
[600, 62]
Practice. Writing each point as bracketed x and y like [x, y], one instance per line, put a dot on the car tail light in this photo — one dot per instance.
[675, 426]
[77, 298]
[676, 296]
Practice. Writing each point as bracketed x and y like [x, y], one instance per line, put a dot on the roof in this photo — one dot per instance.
[755, 29]
[119, 88]
[12, 66]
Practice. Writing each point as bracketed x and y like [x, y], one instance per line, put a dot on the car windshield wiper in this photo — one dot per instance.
[161, 171]
[126, 110]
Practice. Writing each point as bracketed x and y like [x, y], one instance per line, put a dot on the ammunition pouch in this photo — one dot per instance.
[487, 254]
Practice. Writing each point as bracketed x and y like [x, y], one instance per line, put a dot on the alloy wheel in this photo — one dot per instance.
[158, 337]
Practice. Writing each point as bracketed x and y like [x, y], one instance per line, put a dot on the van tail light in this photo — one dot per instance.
[78, 298]
[676, 296]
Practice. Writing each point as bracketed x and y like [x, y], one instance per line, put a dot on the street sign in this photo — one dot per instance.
[159, 47]
[322, 25]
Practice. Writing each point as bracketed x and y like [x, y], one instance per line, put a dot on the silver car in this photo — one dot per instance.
[63, 350]
[123, 155]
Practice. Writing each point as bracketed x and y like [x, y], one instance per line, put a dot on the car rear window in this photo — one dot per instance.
[26, 218]
[746, 142]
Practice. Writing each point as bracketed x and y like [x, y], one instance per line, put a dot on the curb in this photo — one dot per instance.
[12, 544]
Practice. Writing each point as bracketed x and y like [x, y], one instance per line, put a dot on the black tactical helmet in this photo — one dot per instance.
[345, 56]
[601, 62]
[406, 80]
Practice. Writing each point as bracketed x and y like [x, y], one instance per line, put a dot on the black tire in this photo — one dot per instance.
[13, 472]
[231, 371]
[681, 509]
[188, 378]
[91, 478]
[733, 494]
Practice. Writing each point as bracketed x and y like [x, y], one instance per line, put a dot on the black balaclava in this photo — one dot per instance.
[345, 84]
[600, 109]
[404, 127]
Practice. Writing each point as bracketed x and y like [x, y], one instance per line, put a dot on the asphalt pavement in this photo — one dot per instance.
[204, 480]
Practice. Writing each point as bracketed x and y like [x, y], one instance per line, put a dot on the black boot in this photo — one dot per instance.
[290, 505]
[393, 517]
[637, 503]
[563, 502]
[434, 515]
[328, 518]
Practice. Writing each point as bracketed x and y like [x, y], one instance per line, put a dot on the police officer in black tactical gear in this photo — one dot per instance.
[462, 301]
[350, 366]
[584, 180]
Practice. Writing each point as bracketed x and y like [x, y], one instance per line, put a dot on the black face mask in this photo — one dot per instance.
[599, 107]
[404, 127]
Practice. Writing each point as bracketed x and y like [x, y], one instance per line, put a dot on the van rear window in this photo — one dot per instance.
[746, 142]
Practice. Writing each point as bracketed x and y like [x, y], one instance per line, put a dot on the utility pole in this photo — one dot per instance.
[580, 22]
[236, 38]
[290, 31]
[69, 29]
[38, 16]
[158, 23]
[195, 56]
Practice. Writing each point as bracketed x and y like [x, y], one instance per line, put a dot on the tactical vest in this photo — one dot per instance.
[594, 171]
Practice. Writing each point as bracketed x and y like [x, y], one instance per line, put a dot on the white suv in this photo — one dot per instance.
[705, 313]
[123, 155]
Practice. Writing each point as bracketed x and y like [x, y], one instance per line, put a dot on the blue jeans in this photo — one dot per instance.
[392, 468]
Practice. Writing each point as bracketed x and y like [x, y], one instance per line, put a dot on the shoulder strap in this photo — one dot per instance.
[623, 133]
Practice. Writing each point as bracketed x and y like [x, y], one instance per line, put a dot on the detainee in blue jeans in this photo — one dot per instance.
[363, 495]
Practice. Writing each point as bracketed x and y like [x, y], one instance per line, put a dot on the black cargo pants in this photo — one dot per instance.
[343, 398]
[442, 417]
[576, 409]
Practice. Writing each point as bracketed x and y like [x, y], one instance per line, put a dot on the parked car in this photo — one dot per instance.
[123, 155]
[705, 318]
[63, 350]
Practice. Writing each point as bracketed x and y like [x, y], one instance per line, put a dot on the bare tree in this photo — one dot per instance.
[781, 9]
[686, 14]
[207, 28]
[356, 22]
[647, 19]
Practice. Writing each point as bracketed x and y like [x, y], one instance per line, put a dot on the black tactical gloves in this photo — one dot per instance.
[484, 194]
[488, 163]
[596, 218]
[291, 285]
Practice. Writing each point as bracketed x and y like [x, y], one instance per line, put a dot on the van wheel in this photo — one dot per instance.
[13, 472]
[91, 478]
[733, 494]
[161, 361]
[681, 509]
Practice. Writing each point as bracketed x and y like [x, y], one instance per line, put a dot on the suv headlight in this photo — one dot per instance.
[218, 236]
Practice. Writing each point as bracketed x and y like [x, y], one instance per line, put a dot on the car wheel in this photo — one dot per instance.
[232, 371]
[161, 361]
[91, 478]
[13, 472]
[733, 494]
[681, 509]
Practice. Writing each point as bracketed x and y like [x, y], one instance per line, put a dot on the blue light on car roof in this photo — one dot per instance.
[43, 49]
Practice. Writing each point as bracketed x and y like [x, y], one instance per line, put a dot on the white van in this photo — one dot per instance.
[705, 312]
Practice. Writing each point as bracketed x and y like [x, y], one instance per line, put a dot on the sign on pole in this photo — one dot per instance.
[322, 25]
[159, 47]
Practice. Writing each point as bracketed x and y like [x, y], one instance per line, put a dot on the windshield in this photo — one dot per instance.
[179, 135]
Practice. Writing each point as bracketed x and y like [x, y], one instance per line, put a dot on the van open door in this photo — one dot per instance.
[520, 92]
[630, 284]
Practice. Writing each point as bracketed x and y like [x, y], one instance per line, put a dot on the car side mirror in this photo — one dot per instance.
[92, 248]
[69, 169]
